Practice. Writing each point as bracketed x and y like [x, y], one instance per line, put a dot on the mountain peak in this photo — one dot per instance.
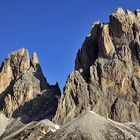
[21, 83]
[106, 76]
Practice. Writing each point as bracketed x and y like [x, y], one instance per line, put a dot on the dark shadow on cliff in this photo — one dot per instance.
[43, 106]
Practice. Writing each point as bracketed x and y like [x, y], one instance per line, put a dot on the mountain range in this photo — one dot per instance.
[101, 97]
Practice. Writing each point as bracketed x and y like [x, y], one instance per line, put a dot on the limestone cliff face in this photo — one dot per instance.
[106, 78]
[23, 87]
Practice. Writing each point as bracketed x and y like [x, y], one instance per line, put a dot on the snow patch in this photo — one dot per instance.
[56, 127]
[53, 130]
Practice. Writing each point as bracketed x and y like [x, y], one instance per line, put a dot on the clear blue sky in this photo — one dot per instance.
[55, 29]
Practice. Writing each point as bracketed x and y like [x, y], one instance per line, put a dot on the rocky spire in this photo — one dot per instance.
[21, 81]
[35, 60]
[38, 71]
[106, 78]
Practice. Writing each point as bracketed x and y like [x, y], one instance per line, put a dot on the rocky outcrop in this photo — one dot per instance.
[106, 78]
[39, 73]
[74, 100]
[23, 87]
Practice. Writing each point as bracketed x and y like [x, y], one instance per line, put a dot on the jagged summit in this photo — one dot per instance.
[107, 72]
[21, 81]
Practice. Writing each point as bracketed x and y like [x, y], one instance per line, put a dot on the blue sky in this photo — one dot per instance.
[55, 29]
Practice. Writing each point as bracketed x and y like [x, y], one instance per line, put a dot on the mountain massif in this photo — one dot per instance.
[101, 98]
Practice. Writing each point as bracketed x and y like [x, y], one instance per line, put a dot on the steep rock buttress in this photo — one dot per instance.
[24, 89]
[106, 78]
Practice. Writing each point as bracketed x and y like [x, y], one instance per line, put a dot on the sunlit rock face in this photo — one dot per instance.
[27, 101]
[106, 78]
[23, 87]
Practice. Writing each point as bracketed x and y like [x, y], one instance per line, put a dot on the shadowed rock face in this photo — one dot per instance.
[106, 78]
[23, 86]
